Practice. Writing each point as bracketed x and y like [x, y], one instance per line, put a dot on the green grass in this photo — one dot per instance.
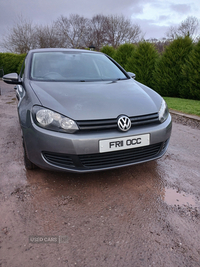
[184, 105]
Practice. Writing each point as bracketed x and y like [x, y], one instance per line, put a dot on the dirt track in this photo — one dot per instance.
[144, 215]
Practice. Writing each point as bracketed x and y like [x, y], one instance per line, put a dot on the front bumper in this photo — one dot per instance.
[79, 152]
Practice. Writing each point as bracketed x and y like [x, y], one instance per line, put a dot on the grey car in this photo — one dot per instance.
[80, 111]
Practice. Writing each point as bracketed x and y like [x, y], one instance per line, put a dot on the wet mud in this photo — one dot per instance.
[143, 215]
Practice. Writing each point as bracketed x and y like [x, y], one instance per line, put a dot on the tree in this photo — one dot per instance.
[160, 44]
[191, 75]
[120, 30]
[96, 32]
[123, 53]
[142, 62]
[108, 50]
[188, 27]
[167, 79]
[20, 38]
[74, 29]
[47, 37]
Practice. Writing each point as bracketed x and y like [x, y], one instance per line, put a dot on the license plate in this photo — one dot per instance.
[124, 143]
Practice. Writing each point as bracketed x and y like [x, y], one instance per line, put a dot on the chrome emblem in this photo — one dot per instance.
[124, 123]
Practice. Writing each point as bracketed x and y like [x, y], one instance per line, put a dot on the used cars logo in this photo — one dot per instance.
[124, 123]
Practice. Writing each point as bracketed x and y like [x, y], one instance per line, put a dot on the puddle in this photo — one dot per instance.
[172, 197]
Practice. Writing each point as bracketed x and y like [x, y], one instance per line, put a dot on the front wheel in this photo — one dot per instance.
[28, 164]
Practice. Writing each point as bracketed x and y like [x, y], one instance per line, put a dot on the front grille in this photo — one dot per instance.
[112, 123]
[104, 160]
[122, 157]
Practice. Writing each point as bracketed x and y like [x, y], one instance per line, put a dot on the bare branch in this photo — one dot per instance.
[188, 27]
[73, 29]
[96, 31]
[20, 38]
[47, 36]
[121, 30]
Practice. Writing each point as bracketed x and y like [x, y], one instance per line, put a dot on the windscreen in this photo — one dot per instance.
[74, 66]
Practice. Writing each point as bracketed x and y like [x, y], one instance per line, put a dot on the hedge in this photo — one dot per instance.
[174, 73]
[167, 77]
[191, 75]
[11, 62]
[142, 62]
[123, 53]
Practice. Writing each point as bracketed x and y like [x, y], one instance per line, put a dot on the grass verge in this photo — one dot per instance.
[184, 105]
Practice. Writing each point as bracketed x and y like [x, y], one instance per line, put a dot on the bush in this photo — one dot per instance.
[108, 50]
[142, 62]
[11, 62]
[123, 53]
[191, 75]
[167, 78]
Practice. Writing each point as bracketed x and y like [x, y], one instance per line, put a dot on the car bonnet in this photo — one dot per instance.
[94, 100]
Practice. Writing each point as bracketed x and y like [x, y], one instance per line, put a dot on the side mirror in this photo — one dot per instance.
[131, 74]
[11, 78]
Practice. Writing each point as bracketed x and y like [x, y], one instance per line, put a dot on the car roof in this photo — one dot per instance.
[61, 50]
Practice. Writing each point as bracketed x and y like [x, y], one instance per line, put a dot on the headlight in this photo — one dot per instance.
[163, 112]
[54, 121]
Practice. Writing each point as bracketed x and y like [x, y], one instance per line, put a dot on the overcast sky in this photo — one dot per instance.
[153, 16]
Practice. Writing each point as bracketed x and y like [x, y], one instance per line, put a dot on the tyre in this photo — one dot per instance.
[28, 164]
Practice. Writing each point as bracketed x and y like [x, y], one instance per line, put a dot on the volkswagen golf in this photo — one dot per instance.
[80, 111]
